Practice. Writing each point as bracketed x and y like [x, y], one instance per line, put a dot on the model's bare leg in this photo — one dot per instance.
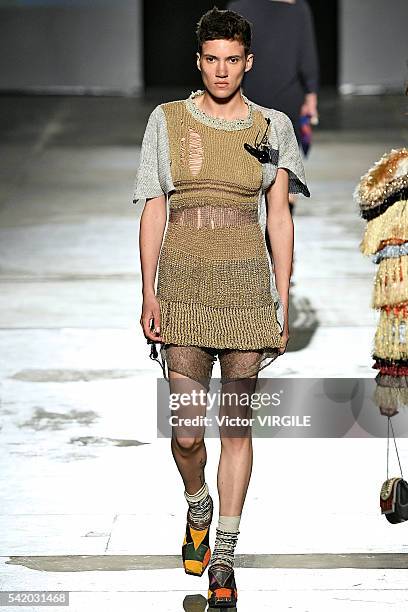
[187, 444]
[189, 370]
[235, 465]
[190, 453]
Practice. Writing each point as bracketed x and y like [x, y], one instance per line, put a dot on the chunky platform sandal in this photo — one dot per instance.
[196, 550]
[222, 590]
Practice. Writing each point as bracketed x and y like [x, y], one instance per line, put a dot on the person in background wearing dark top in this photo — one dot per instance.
[285, 71]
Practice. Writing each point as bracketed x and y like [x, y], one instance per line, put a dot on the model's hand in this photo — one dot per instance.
[310, 108]
[150, 318]
[285, 338]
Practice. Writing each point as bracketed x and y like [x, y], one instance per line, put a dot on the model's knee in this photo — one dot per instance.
[187, 445]
[236, 445]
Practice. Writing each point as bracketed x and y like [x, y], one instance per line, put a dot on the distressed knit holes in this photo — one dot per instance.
[195, 152]
[182, 152]
[213, 216]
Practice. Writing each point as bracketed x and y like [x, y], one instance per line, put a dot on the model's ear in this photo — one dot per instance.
[249, 62]
[198, 56]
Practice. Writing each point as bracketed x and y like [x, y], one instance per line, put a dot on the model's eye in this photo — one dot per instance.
[234, 60]
[210, 59]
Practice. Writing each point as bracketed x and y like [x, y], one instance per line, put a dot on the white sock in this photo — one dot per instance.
[200, 506]
[226, 541]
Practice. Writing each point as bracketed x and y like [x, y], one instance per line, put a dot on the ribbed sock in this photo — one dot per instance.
[225, 541]
[200, 507]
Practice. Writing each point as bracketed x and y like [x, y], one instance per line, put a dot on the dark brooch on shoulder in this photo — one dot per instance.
[262, 149]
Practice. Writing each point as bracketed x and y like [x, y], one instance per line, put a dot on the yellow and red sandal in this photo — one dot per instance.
[222, 590]
[196, 550]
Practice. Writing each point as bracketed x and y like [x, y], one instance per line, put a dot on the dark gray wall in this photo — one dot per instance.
[77, 46]
[173, 23]
[373, 45]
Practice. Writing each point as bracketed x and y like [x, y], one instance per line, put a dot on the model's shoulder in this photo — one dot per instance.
[278, 118]
[173, 105]
[161, 109]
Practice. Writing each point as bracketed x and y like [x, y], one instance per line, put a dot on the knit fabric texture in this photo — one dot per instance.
[214, 282]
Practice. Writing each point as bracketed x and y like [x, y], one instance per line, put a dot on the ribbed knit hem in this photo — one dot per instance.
[221, 327]
[229, 523]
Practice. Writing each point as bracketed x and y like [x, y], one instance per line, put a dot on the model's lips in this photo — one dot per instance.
[222, 84]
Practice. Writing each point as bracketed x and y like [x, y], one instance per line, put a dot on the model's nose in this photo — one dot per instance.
[222, 71]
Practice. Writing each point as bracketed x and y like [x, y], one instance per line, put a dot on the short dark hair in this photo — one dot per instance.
[216, 24]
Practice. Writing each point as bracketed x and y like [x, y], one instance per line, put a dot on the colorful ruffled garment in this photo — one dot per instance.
[391, 250]
[382, 195]
[383, 185]
[393, 367]
[390, 340]
[391, 398]
[390, 285]
[387, 380]
[392, 224]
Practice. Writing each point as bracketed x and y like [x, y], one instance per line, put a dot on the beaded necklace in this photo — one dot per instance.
[219, 122]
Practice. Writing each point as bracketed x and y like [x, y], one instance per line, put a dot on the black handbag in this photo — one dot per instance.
[394, 491]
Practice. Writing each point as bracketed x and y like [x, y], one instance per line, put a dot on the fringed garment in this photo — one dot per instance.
[382, 198]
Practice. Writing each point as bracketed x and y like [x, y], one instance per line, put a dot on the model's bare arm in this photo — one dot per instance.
[152, 224]
[281, 234]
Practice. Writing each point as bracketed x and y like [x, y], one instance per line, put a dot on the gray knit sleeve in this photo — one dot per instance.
[148, 182]
[289, 156]
[284, 152]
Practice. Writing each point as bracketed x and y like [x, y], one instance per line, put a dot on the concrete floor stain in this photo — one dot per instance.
[56, 375]
[43, 419]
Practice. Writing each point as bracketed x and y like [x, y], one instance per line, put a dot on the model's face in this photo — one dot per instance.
[222, 64]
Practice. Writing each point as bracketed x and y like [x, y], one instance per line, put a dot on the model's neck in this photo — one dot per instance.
[233, 107]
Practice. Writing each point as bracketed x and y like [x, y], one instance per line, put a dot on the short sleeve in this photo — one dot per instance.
[289, 156]
[147, 182]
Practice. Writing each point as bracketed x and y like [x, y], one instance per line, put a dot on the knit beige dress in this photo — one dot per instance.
[214, 283]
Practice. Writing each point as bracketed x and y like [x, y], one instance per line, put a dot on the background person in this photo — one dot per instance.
[285, 73]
